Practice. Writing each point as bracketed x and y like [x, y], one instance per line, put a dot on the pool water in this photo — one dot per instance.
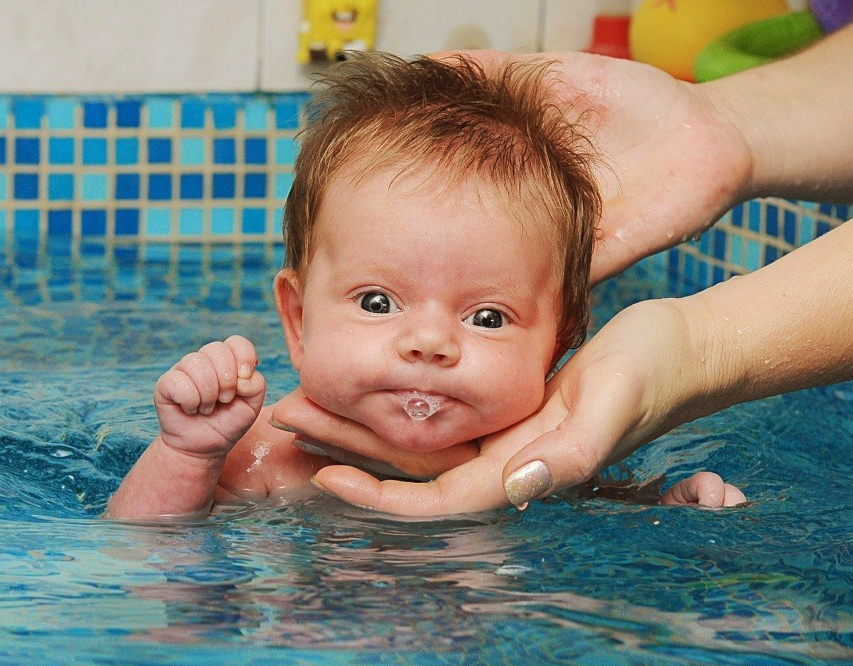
[576, 579]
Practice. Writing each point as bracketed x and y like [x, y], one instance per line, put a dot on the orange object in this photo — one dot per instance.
[610, 36]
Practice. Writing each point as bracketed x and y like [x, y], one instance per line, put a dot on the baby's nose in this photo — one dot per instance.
[429, 343]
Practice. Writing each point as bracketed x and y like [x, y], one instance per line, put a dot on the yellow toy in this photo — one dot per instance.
[669, 34]
[330, 27]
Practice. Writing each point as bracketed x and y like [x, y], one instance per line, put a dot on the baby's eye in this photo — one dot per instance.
[487, 318]
[375, 302]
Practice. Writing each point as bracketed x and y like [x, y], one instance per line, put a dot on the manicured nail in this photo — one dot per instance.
[527, 482]
[284, 426]
[310, 447]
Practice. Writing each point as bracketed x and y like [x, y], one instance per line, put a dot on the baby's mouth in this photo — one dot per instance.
[420, 406]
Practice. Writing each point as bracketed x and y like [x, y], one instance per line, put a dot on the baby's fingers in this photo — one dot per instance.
[704, 489]
[247, 382]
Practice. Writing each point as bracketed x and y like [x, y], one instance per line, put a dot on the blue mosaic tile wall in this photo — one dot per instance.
[186, 168]
[89, 182]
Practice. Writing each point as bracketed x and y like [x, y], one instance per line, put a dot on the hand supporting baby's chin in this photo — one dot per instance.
[352, 443]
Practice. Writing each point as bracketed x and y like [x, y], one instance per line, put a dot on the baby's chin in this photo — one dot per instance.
[423, 436]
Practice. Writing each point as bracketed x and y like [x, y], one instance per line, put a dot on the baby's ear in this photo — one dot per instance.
[288, 301]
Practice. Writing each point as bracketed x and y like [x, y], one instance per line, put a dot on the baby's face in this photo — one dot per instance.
[428, 316]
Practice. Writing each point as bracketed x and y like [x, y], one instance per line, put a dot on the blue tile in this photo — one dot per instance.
[192, 186]
[94, 151]
[283, 183]
[719, 243]
[127, 186]
[771, 220]
[59, 223]
[255, 151]
[159, 187]
[255, 115]
[158, 222]
[224, 185]
[94, 187]
[736, 256]
[27, 150]
[192, 114]
[93, 222]
[127, 222]
[159, 151]
[191, 222]
[287, 115]
[60, 150]
[127, 151]
[192, 151]
[286, 151]
[224, 114]
[2, 150]
[719, 275]
[222, 221]
[770, 254]
[822, 228]
[26, 186]
[128, 113]
[26, 225]
[255, 185]
[4, 191]
[61, 113]
[95, 115]
[28, 113]
[160, 112]
[737, 216]
[753, 255]
[789, 227]
[754, 210]
[224, 151]
[254, 221]
[60, 187]
[5, 106]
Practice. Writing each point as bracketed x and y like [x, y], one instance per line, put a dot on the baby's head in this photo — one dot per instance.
[449, 214]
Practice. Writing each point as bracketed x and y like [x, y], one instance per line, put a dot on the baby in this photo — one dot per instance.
[438, 234]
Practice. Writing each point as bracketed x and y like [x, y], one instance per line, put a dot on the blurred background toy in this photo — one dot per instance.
[330, 27]
[670, 34]
[763, 41]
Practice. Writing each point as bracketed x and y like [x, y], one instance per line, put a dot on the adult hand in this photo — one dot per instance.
[671, 164]
[600, 406]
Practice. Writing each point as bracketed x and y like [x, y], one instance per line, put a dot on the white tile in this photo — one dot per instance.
[409, 27]
[567, 25]
[56, 46]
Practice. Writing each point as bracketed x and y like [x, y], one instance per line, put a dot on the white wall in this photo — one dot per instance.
[120, 46]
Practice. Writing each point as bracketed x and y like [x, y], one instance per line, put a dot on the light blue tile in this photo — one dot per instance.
[93, 187]
[5, 106]
[736, 251]
[161, 112]
[192, 151]
[286, 150]
[255, 114]
[4, 187]
[191, 222]
[222, 221]
[753, 255]
[61, 113]
[283, 183]
[158, 222]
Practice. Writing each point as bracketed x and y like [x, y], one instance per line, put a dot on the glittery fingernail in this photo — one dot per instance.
[527, 482]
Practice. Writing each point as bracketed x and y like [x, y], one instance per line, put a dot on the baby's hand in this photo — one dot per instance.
[704, 489]
[210, 398]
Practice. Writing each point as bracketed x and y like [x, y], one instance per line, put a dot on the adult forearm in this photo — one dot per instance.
[796, 118]
[782, 328]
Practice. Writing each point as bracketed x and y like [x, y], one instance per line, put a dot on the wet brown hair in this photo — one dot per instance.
[461, 121]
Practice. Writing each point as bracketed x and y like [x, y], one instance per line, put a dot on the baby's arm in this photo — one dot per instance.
[704, 489]
[205, 404]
